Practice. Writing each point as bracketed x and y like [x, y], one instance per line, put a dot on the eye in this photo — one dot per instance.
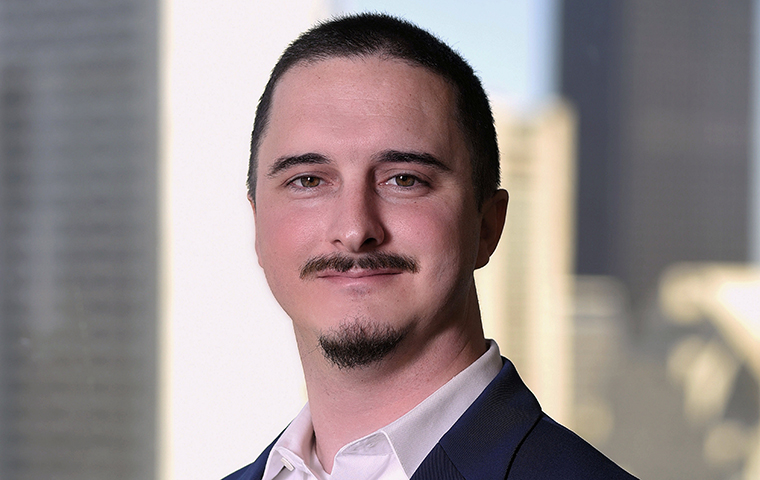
[404, 180]
[307, 181]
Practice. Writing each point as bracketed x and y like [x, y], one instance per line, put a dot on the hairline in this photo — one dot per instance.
[382, 53]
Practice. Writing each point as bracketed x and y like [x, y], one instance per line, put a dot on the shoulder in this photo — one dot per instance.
[505, 434]
[255, 470]
[553, 451]
[248, 472]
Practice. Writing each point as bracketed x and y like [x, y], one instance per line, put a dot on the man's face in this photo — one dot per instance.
[362, 157]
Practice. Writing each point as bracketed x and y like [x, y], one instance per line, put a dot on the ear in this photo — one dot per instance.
[255, 232]
[494, 213]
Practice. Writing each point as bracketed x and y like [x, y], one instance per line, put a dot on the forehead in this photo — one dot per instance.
[337, 101]
[368, 77]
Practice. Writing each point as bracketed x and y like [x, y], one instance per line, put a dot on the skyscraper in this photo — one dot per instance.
[525, 290]
[662, 91]
[78, 249]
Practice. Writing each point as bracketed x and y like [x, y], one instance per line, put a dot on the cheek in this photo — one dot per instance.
[281, 242]
[444, 235]
[281, 238]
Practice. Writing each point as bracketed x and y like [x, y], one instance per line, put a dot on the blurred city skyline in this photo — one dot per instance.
[138, 336]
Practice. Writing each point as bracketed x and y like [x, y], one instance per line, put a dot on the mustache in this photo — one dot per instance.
[339, 262]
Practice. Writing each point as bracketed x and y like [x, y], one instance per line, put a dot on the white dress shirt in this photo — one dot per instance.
[393, 452]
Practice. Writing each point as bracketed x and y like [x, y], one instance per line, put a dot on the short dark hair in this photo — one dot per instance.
[369, 34]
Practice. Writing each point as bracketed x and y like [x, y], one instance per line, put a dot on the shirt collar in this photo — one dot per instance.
[415, 434]
[293, 446]
[411, 436]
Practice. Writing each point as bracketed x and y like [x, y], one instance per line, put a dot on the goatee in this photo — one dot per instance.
[358, 344]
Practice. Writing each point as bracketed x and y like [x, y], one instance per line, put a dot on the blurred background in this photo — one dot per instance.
[138, 339]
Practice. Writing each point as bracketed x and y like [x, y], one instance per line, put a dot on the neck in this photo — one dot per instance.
[347, 404]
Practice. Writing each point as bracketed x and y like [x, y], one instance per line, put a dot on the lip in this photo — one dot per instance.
[355, 274]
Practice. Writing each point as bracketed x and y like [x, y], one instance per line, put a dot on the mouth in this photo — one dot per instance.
[358, 273]
[360, 281]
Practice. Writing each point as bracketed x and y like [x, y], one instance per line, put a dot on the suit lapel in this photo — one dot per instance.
[437, 466]
[480, 445]
[255, 470]
[483, 442]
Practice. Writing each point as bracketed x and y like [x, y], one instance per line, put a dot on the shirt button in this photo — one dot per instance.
[287, 464]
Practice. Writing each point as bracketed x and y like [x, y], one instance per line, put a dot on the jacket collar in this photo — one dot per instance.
[482, 443]
[485, 439]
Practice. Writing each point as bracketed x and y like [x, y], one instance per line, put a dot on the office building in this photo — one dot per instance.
[525, 291]
[662, 91]
[78, 239]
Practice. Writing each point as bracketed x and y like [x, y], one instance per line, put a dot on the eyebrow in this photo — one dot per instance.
[420, 158]
[387, 156]
[284, 163]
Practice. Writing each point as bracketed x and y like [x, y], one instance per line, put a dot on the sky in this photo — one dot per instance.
[522, 70]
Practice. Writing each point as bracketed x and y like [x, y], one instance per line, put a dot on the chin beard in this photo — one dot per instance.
[359, 344]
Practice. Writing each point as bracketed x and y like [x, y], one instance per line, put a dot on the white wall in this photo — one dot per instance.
[232, 379]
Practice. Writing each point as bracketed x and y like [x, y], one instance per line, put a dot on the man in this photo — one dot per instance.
[374, 185]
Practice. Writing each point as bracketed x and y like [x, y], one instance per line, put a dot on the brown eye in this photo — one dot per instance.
[309, 182]
[404, 180]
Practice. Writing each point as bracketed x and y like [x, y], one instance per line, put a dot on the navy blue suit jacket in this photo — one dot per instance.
[502, 435]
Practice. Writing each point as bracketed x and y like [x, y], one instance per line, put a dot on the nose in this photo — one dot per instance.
[357, 225]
